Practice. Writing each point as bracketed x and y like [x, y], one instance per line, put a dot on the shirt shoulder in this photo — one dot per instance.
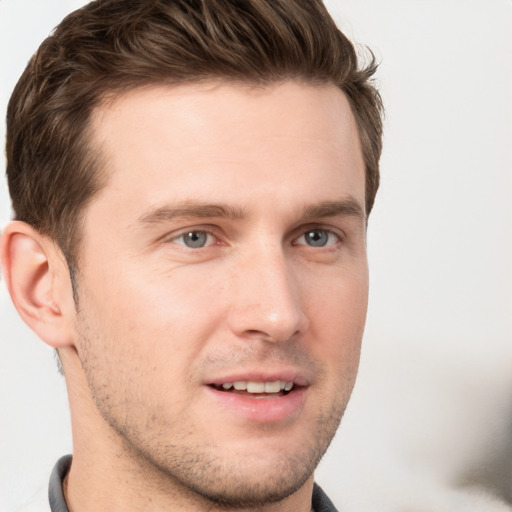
[321, 503]
[55, 494]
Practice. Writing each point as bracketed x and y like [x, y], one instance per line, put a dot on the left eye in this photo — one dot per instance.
[195, 239]
[317, 238]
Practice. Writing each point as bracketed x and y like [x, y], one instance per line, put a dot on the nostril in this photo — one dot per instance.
[269, 337]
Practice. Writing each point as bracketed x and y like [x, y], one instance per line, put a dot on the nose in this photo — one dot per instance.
[266, 298]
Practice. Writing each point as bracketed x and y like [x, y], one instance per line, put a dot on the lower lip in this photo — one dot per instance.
[262, 410]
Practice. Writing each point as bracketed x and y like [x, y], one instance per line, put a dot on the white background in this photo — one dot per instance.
[432, 410]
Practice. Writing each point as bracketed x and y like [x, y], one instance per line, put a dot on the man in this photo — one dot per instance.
[191, 184]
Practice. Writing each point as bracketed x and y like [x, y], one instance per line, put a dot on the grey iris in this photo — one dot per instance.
[317, 238]
[195, 239]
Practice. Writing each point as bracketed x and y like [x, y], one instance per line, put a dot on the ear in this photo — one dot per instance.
[38, 281]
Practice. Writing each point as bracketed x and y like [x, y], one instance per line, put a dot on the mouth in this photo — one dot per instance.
[257, 389]
[261, 399]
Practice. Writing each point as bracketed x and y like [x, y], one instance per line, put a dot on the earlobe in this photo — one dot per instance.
[32, 270]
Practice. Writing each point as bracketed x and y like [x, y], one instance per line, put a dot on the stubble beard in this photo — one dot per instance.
[231, 484]
[197, 471]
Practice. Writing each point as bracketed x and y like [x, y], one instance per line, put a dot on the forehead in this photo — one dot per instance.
[166, 143]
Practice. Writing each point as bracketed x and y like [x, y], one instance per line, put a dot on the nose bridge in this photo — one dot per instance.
[267, 301]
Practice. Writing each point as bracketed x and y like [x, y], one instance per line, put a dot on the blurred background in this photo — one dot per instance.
[429, 426]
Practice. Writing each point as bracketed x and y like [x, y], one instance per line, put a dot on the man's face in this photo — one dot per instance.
[225, 260]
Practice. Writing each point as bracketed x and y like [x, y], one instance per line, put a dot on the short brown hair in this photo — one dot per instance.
[112, 46]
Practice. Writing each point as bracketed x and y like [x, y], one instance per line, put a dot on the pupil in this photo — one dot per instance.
[195, 239]
[317, 238]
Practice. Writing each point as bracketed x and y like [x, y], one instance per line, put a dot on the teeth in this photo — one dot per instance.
[273, 387]
[259, 387]
[255, 387]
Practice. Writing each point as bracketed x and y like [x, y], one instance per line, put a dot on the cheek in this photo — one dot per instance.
[138, 345]
[160, 320]
[340, 296]
[337, 315]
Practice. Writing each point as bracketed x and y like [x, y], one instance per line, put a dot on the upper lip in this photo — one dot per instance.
[299, 378]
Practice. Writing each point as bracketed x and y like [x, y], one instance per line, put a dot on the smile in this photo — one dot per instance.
[260, 401]
[259, 389]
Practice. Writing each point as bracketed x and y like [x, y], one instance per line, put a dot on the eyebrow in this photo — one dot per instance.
[191, 210]
[348, 207]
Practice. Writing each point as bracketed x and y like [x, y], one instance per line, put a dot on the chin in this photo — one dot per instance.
[247, 485]
[250, 472]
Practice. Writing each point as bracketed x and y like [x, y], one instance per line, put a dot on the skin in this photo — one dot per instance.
[158, 321]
